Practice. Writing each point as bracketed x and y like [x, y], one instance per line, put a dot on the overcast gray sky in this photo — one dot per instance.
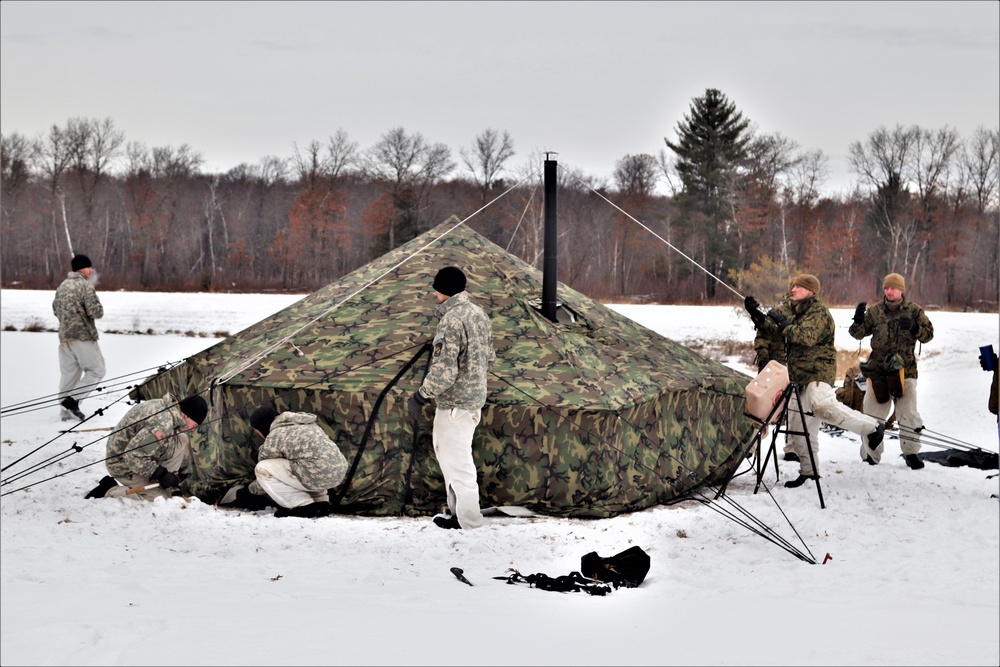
[593, 81]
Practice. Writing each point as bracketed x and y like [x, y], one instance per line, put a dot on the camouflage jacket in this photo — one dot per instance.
[144, 437]
[462, 355]
[888, 338]
[314, 458]
[76, 306]
[811, 354]
[769, 343]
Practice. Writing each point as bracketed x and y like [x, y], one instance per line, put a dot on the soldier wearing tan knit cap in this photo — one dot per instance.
[895, 325]
[812, 365]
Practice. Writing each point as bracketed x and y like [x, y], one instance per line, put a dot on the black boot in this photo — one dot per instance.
[73, 406]
[913, 461]
[875, 437]
[799, 481]
[447, 521]
[310, 511]
[791, 456]
[106, 484]
[251, 501]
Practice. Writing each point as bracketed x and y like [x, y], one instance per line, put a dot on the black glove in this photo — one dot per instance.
[756, 316]
[906, 324]
[781, 320]
[859, 313]
[760, 365]
[167, 479]
[416, 405]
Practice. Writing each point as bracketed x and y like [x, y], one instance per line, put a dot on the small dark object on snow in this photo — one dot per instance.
[953, 458]
[460, 575]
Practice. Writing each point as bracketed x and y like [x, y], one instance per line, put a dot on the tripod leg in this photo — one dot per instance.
[809, 447]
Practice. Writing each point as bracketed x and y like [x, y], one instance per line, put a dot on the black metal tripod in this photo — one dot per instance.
[778, 417]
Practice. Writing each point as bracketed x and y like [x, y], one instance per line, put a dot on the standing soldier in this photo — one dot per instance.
[895, 326]
[462, 355]
[81, 364]
[812, 364]
[769, 345]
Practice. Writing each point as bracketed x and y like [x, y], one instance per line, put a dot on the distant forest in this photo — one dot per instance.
[744, 210]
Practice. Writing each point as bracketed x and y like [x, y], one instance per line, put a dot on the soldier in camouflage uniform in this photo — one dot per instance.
[150, 445]
[462, 355]
[895, 326]
[81, 364]
[298, 463]
[770, 345]
[812, 365]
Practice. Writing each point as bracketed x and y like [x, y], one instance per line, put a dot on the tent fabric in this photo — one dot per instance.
[589, 418]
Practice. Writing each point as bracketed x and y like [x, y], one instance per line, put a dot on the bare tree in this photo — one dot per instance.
[94, 145]
[635, 176]
[408, 166]
[490, 150]
[314, 164]
[883, 161]
[980, 162]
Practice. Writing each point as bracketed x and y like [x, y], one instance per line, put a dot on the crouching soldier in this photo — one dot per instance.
[149, 448]
[298, 463]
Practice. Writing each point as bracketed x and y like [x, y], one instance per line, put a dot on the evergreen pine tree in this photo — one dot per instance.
[711, 146]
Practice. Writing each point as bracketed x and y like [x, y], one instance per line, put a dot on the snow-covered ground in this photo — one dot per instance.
[912, 578]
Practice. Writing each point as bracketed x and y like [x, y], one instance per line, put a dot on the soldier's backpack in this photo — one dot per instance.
[850, 393]
[624, 570]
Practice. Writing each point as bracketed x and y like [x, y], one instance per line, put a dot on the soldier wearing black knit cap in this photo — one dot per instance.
[148, 451]
[81, 364]
[456, 382]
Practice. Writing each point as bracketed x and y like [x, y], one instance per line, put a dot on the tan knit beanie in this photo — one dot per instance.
[807, 280]
[894, 280]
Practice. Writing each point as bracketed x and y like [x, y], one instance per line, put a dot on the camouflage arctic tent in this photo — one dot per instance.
[588, 418]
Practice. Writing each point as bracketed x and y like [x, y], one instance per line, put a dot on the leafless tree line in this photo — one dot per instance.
[925, 205]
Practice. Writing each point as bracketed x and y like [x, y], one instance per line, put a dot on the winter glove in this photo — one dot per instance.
[167, 479]
[906, 324]
[416, 405]
[760, 365]
[781, 320]
[859, 313]
[756, 316]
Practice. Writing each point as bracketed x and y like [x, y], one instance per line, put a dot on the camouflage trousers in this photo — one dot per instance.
[276, 478]
[452, 436]
[907, 417]
[175, 461]
[81, 367]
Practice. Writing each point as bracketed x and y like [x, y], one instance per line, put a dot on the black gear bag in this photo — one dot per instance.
[624, 570]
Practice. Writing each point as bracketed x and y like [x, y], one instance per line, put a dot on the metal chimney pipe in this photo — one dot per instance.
[551, 251]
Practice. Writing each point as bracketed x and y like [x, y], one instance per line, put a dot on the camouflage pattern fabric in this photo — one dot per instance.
[888, 338]
[461, 355]
[143, 437]
[585, 419]
[76, 306]
[314, 459]
[769, 343]
[811, 353]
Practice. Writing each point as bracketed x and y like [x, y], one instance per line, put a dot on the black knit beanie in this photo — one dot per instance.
[195, 407]
[261, 419]
[80, 262]
[449, 281]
